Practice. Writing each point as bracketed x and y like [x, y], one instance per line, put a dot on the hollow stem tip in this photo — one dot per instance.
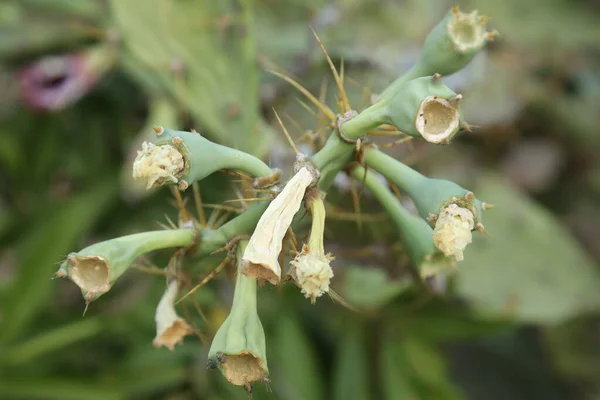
[260, 259]
[95, 268]
[158, 164]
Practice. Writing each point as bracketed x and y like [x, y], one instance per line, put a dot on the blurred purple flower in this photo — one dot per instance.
[55, 82]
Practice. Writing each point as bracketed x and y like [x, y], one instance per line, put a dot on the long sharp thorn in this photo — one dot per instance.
[198, 202]
[336, 76]
[206, 279]
[287, 134]
[326, 110]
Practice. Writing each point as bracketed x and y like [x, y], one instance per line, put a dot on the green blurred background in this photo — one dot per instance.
[520, 321]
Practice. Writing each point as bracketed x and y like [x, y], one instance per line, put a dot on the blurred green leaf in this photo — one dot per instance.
[298, 375]
[56, 388]
[39, 252]
[370, 288]
[51, 341]
[528, 267]
[351, 370]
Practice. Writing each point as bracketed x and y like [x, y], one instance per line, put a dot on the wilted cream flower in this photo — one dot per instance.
[260, 257]
[452, 232]
[158, 164]
[467, 31]
[170, 327]
[311, 269]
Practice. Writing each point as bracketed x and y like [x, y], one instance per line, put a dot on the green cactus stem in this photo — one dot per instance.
[448, 48]
[415, 233]
[238, 348]
[430, 195]
[96, 268]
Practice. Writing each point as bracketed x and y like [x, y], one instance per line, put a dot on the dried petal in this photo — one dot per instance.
[170, 327]
[452, 231]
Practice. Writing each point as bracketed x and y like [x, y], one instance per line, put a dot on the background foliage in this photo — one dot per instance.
[520, 321]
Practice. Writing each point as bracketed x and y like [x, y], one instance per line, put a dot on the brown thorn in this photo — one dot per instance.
[287, 134]
[210, 276]
[183, 214]
[480, 228]
[336, 298]
[248, 199]
[170, 222]
[336, 76]
[326, 110]
[318, 116]
[198, 203]
[483, 19]
[221, 220]
[356, 204]
[469, 196]
[396, 142]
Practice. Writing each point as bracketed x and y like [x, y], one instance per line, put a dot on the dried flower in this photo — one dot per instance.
[311, 269]
[452, 232]
[158, 164]
[170, 327]
[260, 258]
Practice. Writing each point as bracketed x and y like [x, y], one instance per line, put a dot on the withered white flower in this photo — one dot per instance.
[170, 327]
[310, 268]
[260, 257]
[467, 31]
[158, 164]
[452, 232]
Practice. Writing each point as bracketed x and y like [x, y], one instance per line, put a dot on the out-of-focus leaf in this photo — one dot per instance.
[394, 379]
[298, 375]
[51, 341]
[202, 54]
[528, 267]
[39, 252]
[370, 288]
[351, 374]
[57, 388]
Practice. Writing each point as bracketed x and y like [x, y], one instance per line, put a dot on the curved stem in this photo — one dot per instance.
[401, 174]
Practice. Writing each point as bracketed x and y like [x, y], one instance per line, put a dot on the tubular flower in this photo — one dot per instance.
[170, 327]
[158, 164]
[311, 269]
[452, 232]
[238, 349]
[260, 257]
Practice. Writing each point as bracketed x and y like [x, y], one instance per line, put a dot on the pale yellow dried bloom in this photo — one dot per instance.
[313, 273]
[467, 31]
[452, 231]
[260, 258]
[158, 164]
[170, 327]
[310, 268]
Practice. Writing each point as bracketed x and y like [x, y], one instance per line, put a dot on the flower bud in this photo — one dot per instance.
[452, 231]
[95, 268]
[310, 268]
[260, 258]
[238, 348]
[170, 327]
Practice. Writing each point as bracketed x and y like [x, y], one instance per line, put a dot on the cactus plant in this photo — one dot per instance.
[417, 104]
